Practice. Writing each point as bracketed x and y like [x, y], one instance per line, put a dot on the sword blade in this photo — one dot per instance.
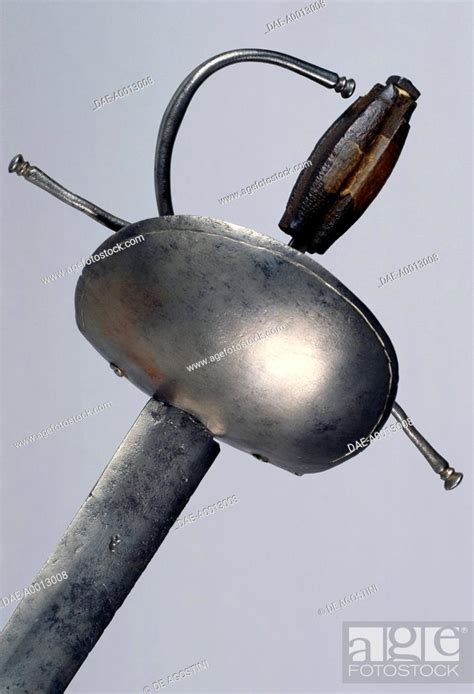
[105, 549]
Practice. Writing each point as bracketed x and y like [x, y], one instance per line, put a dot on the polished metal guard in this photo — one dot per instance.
[169, 128]
[196, 286]
[165, 455]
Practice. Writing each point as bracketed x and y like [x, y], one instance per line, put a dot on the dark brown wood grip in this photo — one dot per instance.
[350, 165]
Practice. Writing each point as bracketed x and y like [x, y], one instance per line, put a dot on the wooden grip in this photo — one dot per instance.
[350, 165]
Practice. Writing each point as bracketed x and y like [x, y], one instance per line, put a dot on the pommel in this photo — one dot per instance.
[350, 164]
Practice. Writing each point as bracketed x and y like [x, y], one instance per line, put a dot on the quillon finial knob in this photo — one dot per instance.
[438, 464]
[19, 166]
[451, 478]
[345, 87]
[34, 175]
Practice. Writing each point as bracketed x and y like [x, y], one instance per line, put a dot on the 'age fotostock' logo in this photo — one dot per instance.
[415, 652]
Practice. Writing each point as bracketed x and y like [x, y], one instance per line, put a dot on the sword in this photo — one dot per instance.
[133, 309]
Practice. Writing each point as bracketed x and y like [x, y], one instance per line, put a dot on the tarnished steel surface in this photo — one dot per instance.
[448, 474]
[350, 165]
[196, 286]
[34, 175]
[182, 97]
[115, 534]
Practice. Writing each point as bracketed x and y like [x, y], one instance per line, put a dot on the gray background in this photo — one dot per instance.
[241, 588]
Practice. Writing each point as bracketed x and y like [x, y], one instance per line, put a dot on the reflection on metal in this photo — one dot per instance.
[196, 285]
[117, 370]
[34, 175]
[181, 99]
[448, 474]
[112, 538]
[296, 399]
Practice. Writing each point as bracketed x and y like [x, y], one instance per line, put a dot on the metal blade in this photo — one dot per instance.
[105, 549]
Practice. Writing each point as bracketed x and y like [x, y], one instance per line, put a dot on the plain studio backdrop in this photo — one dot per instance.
[242, 588]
